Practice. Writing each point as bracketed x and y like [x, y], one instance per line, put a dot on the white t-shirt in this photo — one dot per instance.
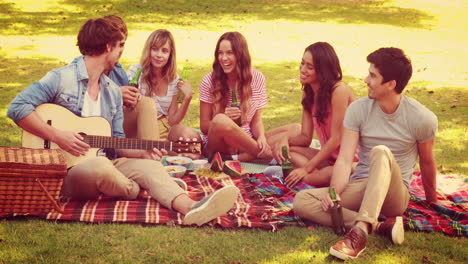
[91, 107]
[162, 102]
[400, 131]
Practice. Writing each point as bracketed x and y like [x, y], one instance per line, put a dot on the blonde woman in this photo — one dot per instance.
[159, 81]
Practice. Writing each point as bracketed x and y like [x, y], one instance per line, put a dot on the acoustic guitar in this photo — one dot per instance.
[96, 132]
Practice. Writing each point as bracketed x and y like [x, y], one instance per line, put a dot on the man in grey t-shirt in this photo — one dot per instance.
[392, 131]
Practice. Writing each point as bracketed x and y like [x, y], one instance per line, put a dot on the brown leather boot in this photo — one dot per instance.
[392, 228]
[351, 245]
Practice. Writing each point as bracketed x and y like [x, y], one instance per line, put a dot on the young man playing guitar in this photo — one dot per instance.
[82, 88]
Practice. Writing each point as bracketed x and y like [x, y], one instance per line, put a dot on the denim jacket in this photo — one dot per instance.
[118, 74]
[66, 87]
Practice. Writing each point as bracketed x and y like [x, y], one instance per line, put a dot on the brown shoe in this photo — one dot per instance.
[351, 245]
[392, 228]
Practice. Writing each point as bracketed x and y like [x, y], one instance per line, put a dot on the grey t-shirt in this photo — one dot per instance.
[400, 132]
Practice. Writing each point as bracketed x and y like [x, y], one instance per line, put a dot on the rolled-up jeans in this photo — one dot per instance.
[120, 178]
[383, 192]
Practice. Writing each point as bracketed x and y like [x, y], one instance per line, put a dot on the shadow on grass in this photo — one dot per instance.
[210, 14]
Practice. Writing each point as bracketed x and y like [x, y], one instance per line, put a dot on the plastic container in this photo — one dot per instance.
[179, 161]
[176, 171]
[274, 172]
[199, 164]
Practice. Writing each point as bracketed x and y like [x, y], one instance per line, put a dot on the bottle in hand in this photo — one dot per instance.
[134, 81]
[180, 96]
[286, 166]
[235, 103]
[336, 214]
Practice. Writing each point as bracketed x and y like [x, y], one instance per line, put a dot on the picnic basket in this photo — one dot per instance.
[30, 180]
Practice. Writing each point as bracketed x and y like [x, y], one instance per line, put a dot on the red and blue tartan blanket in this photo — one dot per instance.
[419, 216]
[265, 203]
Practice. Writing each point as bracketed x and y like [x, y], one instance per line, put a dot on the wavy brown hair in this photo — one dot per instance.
[157, 39]
[328, 70]
[243, 71]
[96, 33]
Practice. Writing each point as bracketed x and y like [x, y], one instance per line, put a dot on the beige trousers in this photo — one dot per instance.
[141, 122]
[363, 199]
[120, 178]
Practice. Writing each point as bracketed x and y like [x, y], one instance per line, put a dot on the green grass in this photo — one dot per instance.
[37, 36]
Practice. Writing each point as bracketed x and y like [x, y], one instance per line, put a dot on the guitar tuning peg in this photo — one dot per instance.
[181, 139]
[187, 139]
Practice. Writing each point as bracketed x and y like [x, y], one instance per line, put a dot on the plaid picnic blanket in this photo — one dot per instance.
[267, 204]
[423, 216]
[420, 215]
[251, 209]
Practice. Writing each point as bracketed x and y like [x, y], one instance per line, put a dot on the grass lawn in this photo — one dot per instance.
[37, 36]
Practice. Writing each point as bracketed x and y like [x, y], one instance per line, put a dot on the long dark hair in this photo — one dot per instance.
[328, 71]
[243, 71]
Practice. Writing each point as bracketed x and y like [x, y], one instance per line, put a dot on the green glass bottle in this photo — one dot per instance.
[286, 166]
[134, 81]
[184, 73]
[235, 103]
[180, 96]
[336, 214]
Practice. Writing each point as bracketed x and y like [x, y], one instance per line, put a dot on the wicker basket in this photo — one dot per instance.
[30, 180]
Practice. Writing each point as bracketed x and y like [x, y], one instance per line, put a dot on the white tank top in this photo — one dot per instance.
[91, 107]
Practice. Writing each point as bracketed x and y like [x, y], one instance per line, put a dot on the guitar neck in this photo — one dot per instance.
[125, 143]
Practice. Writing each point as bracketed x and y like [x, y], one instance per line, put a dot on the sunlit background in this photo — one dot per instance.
[39, 35]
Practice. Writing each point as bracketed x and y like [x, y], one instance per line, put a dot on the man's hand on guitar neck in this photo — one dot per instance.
[153, 154]
[71, 142]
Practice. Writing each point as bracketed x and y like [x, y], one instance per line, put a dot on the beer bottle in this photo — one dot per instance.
[286, 166]
[184, 73]
[236, 103]
[336, 214]
[134, 81]
[180, 96]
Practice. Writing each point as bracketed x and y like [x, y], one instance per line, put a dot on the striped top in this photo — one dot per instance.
[258, 100]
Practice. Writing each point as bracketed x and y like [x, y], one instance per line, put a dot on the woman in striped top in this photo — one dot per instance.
[232, 71]
[324, 103]
[159, 80]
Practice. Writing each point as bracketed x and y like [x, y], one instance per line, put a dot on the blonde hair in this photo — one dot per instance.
[157, 39]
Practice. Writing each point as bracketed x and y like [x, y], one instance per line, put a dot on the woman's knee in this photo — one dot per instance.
[295, 127]
[146, 104]
[222, 122]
